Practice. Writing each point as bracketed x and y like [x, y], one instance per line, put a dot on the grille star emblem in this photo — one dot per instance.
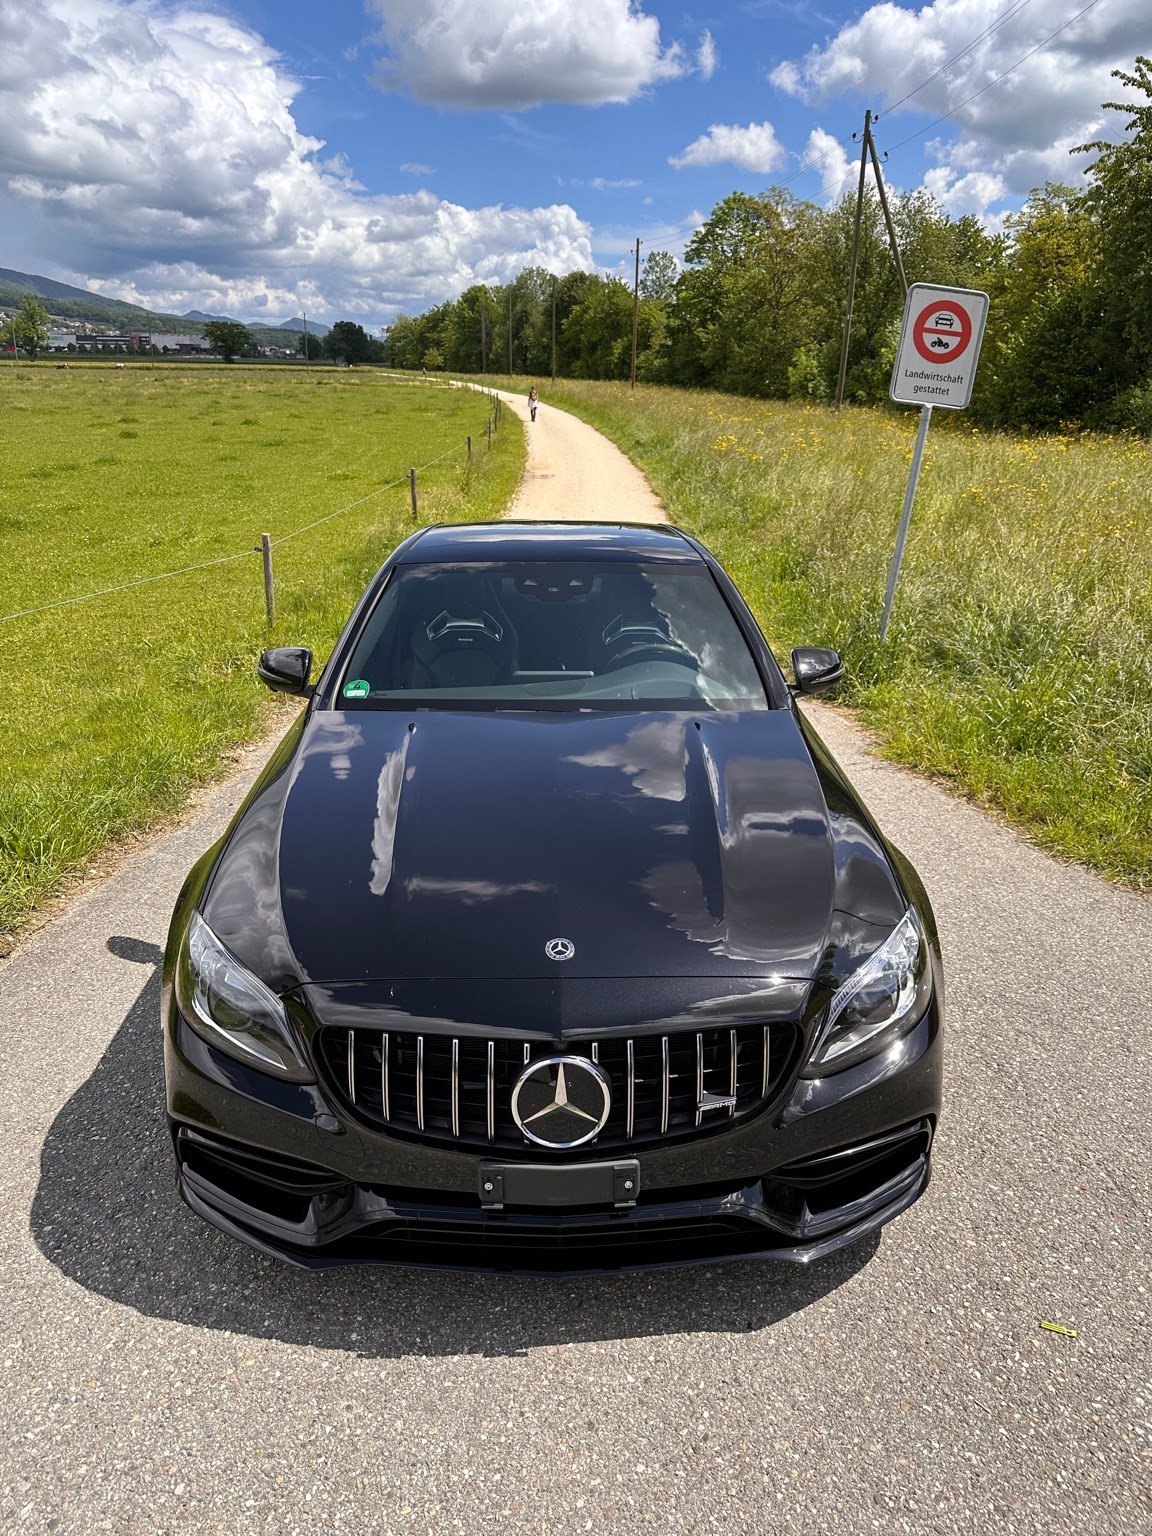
[561, 1101]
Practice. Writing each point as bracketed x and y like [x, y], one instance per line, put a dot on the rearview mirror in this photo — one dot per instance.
[286, 669]
[816, 669]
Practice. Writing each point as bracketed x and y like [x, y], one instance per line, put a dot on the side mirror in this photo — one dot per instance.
[815, 669]
[286, 669]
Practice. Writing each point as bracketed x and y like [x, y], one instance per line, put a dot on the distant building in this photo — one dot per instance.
[169, 342]
[164, 343]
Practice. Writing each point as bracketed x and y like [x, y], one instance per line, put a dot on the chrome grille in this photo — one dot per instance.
[458, 1088]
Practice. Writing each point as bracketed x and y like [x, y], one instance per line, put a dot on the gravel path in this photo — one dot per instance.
[160, 1378]
[574, 473]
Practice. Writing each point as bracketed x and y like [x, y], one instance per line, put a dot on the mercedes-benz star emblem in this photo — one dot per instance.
[561, 1101]
[559, 949]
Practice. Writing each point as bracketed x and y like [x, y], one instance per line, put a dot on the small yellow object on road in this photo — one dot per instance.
[1068, 1333]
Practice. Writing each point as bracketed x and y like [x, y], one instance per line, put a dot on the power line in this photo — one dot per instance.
[811, 165]
[1005, 16]
[944, 116]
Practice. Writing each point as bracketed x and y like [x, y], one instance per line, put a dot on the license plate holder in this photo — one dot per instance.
[551, 1184]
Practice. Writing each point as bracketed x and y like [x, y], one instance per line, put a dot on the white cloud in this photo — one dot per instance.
[414, 168]
[960, 195]
[598, 183]
[154, 155]
[1020, 129]
[827, 155]
[707, 57]
[754, 148]
[518, 53]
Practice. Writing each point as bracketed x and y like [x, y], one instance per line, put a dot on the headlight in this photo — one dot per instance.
[881, 1000]
[232, 1009]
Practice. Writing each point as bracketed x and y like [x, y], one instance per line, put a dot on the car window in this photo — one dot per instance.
[606, 635]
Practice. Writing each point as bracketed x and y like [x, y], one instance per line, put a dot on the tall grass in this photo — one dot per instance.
[113, 708]
[1017, 665]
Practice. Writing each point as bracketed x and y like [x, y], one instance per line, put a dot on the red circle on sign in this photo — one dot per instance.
[942, 332]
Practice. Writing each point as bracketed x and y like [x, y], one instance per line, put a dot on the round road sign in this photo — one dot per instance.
[942, 332]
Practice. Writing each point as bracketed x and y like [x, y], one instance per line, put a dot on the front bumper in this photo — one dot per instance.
[275, 1166]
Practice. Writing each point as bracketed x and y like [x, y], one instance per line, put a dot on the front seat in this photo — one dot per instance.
[629, 628]
[464, 638]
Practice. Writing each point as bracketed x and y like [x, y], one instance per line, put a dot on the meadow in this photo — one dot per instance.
[1018, 664]
[114, 707]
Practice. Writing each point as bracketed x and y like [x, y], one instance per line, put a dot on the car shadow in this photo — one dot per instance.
[107, 1214]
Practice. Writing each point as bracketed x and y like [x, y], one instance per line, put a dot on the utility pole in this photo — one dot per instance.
[867, 148]
[855, 258]
[888, 224]
[307, 343]
[553, 327]
[483, 337]
[509, 333]
[635, 310]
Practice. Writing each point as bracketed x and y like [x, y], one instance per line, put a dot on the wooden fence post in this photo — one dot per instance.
[469, 450]
[412, 488]
[269, 588]
[489, 434]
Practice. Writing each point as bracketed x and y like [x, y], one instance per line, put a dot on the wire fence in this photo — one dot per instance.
[203, 565]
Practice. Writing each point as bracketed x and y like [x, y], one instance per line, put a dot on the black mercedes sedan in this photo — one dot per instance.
[551, 938]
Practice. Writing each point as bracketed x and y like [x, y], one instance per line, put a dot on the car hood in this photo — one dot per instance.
[458, 845]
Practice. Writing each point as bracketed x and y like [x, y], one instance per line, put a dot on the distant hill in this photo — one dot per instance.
[314, 327]
[66, 303]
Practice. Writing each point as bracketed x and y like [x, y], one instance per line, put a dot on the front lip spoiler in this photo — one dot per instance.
[193, 1190]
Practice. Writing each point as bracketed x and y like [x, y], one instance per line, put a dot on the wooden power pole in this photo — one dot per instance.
[867, 148]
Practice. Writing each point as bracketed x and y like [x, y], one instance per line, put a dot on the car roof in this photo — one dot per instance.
[582, 541]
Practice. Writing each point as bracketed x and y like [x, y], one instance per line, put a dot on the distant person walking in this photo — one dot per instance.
[533, 402]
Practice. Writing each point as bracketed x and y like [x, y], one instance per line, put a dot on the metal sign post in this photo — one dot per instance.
[935, 364]
[905, 518]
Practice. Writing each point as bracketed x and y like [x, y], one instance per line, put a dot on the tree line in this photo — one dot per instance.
[758, 306]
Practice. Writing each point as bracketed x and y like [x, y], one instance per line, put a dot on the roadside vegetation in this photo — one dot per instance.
[1018, 665]
[115, 707]
[758, 307]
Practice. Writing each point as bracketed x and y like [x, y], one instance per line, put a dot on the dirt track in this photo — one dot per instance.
[574, 474]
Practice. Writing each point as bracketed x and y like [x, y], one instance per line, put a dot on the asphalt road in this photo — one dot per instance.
[160, 1378]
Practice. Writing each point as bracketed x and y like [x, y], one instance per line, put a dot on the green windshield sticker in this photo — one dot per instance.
[358, 689]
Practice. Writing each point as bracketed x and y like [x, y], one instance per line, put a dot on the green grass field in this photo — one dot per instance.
[1019, 661]
[114, 707]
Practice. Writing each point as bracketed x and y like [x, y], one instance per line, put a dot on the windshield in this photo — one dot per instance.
[597, 636]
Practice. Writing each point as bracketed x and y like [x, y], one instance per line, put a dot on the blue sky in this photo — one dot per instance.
[365, 157]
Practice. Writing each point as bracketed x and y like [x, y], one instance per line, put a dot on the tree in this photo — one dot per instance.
[309, 346]
[28, 327]
[658, 275]
[746, 300]
[470, 330]
[598, 332]
[348, 342]
[227, 337]
[1040, 364]
[1119, 200]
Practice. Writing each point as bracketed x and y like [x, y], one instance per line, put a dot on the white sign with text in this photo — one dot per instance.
[939, 346]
